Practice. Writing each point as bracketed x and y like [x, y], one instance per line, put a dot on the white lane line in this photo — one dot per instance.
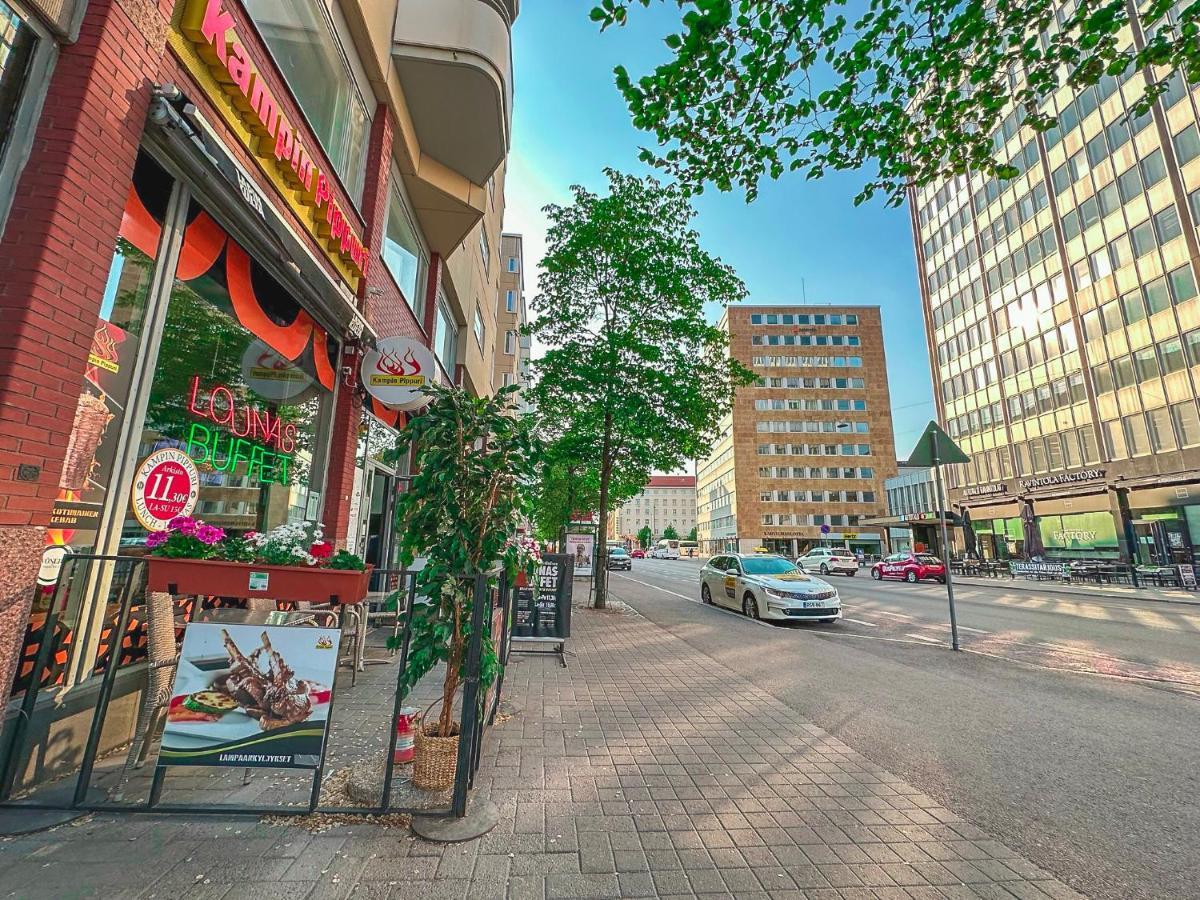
[697, 601]
[923, 637]
[884, 612]
[860, 622]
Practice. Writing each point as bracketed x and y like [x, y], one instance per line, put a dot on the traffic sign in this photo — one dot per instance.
[934, 448]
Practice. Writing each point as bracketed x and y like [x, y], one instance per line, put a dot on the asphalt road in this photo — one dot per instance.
[1069, 728]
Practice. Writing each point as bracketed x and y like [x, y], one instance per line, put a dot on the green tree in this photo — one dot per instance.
[633, 370]
[692, 534]
[645, 536]
[670, 534]
[913, 90]
[473, 463]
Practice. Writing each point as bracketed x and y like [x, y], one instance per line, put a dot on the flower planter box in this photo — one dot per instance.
[217, 578]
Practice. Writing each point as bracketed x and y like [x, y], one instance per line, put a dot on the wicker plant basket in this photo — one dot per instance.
[436, 758]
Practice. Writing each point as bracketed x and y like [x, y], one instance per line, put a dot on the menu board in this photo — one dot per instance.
[543, 609]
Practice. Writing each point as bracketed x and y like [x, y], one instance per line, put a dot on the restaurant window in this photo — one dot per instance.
[245, 387]
[304, 42]
[403, 251]
[1187, 423]
[1162, 437]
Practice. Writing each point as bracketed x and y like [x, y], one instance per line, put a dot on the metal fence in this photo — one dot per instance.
[492, 601]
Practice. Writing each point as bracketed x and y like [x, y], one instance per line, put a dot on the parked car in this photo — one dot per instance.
[767, 586]
[829, 559]
[619, 559]
[638, 553]
[912, 567]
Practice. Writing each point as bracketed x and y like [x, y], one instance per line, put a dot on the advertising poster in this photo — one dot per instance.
[582, 550]
[251, 695]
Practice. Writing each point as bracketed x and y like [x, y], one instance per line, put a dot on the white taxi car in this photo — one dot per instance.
[766, 586]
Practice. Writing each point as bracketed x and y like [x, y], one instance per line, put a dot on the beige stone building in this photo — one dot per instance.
[666, 501]
[1064, 326]
[809, 444]
[511, 315]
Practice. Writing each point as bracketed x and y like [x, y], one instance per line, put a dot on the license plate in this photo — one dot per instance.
[813, 604]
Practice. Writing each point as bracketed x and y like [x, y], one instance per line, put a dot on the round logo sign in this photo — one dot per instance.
[52, 563]
[166, 485]
[271, 376]
[397, 370]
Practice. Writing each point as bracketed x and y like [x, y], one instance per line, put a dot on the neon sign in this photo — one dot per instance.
[260, 439]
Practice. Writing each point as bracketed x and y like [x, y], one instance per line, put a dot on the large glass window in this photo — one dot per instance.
[303, 42]
[17, 44]
[445, 336]
[403, 251]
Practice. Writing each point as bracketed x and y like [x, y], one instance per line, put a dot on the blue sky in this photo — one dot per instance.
[798, 238]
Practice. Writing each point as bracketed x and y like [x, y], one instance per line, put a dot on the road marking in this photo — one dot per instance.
[698, 601]
[884, 612]
[923, 637]
[860, 622]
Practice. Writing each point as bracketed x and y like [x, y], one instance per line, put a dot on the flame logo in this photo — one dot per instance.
[390, 364]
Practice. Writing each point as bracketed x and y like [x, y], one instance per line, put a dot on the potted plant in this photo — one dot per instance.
[290, 562]
[473, 461]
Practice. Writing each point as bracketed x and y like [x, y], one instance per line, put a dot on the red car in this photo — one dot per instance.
[638, 554]
[912, 567]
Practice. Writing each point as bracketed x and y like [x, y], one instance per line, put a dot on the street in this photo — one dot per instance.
[1067, 729]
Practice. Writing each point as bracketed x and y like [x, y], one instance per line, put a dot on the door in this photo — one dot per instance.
[378, 548]
[729, 585]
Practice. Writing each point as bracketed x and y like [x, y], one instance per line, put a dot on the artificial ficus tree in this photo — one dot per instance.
[474, 463]
[633, 369]
[911, 90]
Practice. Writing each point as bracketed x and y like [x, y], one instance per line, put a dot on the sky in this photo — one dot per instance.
[800, 241]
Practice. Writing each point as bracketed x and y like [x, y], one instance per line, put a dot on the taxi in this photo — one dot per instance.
[767, 586]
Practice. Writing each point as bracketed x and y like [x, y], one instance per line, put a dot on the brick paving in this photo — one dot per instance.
[644, 769]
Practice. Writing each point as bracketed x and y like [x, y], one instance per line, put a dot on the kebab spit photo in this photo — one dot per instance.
[274, 697]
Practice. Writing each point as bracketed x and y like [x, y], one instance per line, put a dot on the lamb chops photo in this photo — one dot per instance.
[274, 697]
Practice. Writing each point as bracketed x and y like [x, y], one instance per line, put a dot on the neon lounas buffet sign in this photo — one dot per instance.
[261, 439]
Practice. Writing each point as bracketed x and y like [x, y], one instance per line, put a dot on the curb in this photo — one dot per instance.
[1059, 589]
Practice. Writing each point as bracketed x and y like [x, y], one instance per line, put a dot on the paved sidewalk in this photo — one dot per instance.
[1091, 591]
[645, 769]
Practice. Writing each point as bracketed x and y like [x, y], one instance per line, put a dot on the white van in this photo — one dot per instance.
[666, 549]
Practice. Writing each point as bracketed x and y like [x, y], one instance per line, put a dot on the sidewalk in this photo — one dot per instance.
[644, 769]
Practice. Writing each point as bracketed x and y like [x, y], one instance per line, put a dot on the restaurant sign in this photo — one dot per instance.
[397, 372]
[986, 490]
[244, 96]
[1033, 484]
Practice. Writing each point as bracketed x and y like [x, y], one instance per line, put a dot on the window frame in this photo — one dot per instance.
[31, 100]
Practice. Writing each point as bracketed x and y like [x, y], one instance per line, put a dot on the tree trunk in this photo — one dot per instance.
[600, 553]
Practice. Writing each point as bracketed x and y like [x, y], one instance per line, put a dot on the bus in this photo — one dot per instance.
[689, 548]
[666, 549]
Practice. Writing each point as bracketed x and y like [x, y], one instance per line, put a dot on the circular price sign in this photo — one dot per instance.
[166, 485]
[396, 372]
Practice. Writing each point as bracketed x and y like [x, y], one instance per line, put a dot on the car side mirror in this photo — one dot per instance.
[733, 572]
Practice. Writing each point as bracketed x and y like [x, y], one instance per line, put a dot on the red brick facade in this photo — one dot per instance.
[57, 248]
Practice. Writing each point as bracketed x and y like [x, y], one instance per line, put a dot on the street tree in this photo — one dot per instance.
[645, 536]
[670, 533]
[914, 91]
[692, 534]
[633, 369]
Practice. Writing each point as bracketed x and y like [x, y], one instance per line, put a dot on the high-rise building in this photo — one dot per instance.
[667, 501]
[1064, 327]
[802, 454]
[512, 352]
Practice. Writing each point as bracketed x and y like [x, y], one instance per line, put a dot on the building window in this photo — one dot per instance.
[1162, 437]
[314, 63]
[1136, 437]
[1187, 423]
[403, 251]
[1171, 352]
[513, 264]
[510, 301]
[510, 342]
[507, 379]
[23, 48]
[1187, 144]
[480, 328]
[445, 336]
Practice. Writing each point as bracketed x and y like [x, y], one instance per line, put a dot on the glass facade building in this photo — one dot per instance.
[1064, 323]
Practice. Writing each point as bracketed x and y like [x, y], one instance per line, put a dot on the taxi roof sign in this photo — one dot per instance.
[934, 448]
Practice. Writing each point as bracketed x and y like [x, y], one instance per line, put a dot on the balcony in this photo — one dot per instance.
[454, 61]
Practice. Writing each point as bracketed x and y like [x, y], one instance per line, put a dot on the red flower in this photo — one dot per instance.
[321, 549]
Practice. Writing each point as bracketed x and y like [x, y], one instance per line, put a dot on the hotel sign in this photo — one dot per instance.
[243, 95]
[1033, 484]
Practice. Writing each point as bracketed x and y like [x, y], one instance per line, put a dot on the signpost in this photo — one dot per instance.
[934, 447]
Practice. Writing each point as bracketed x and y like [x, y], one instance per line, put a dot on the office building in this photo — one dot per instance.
[801, 457]
[512, 349]
[1064, 326]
